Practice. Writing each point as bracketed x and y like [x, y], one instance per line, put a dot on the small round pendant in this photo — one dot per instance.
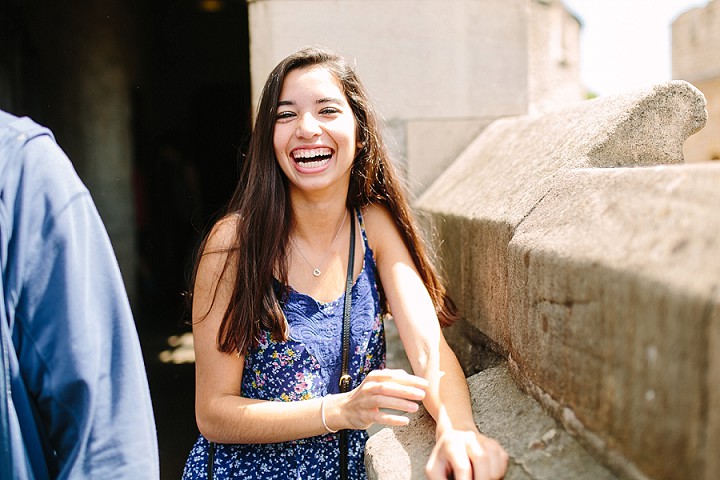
[316, 272]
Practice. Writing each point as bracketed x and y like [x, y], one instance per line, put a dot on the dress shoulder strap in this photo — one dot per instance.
[358, 213]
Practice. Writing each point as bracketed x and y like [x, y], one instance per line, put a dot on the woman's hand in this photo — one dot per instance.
[367, 404]
[468, 454]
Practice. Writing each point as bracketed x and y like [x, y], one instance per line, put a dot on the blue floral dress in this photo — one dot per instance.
[306, 366]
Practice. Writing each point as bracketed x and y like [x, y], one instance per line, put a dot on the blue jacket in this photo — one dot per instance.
[74, 399]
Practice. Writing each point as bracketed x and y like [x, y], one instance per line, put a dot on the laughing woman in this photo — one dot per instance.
[290, 290]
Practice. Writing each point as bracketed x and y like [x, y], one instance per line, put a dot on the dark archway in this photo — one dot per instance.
[192, 113]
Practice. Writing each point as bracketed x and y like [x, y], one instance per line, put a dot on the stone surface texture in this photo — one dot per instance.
[581, 248]
[538, 447]
[500, 178]
[612, 308]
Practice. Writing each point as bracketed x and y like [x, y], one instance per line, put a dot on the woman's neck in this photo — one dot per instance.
[317, 217]
[318, 237]
[318, 222]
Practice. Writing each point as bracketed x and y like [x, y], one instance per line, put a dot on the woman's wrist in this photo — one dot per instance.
[323, 416]
[443, 427]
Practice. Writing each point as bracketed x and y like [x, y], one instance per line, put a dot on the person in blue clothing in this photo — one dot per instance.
[74, 398]
[269, 291]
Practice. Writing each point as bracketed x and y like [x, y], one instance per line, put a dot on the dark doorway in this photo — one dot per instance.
[187, 62]
[192, 113]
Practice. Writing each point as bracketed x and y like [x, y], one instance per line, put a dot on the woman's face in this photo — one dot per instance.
[315, 131]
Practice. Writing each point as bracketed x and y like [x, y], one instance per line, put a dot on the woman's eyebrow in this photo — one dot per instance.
[329, 100]
[283, 103]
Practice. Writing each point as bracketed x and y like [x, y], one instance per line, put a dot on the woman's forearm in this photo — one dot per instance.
[234, 419]
[448, 398]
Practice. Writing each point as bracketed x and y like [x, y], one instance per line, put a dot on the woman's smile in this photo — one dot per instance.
[311, 159]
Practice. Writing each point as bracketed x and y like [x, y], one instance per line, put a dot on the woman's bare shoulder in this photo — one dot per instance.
[223, 235]
[216, 266]
[380, 225]
[377, 215]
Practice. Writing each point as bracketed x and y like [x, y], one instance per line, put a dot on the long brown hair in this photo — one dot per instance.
[261, 200]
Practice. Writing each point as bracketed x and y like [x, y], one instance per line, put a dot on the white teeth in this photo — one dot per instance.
[310, 153]
[315, 164]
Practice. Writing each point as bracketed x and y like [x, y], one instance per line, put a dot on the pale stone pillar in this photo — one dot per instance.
[554, 57]
[696, 59]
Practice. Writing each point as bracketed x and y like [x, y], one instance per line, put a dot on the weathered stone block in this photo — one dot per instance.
[615, 285]
[599, 284]
[538, 447]
[481, 199]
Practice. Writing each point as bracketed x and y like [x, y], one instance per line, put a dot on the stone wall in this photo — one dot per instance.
[696, 59]
[695, 40]
[583, 251]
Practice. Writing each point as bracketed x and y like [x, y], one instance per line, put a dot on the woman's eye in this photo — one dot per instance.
[329, 111]
[284, 115]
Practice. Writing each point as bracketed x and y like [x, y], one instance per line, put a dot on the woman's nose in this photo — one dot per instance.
[308, 126]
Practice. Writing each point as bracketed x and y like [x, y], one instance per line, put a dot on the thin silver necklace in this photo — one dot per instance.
[316, 270]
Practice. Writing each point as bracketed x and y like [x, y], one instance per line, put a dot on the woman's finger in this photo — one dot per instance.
[436, 469]
[398, 376]
[497, 458]
[394, 389]
[395, 403]
[480, 461]
[391, 419]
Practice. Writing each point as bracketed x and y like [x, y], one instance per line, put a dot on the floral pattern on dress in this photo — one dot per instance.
[305, 366]
[282, 371]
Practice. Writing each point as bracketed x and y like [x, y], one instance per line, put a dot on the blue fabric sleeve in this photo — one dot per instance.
[73, 329]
